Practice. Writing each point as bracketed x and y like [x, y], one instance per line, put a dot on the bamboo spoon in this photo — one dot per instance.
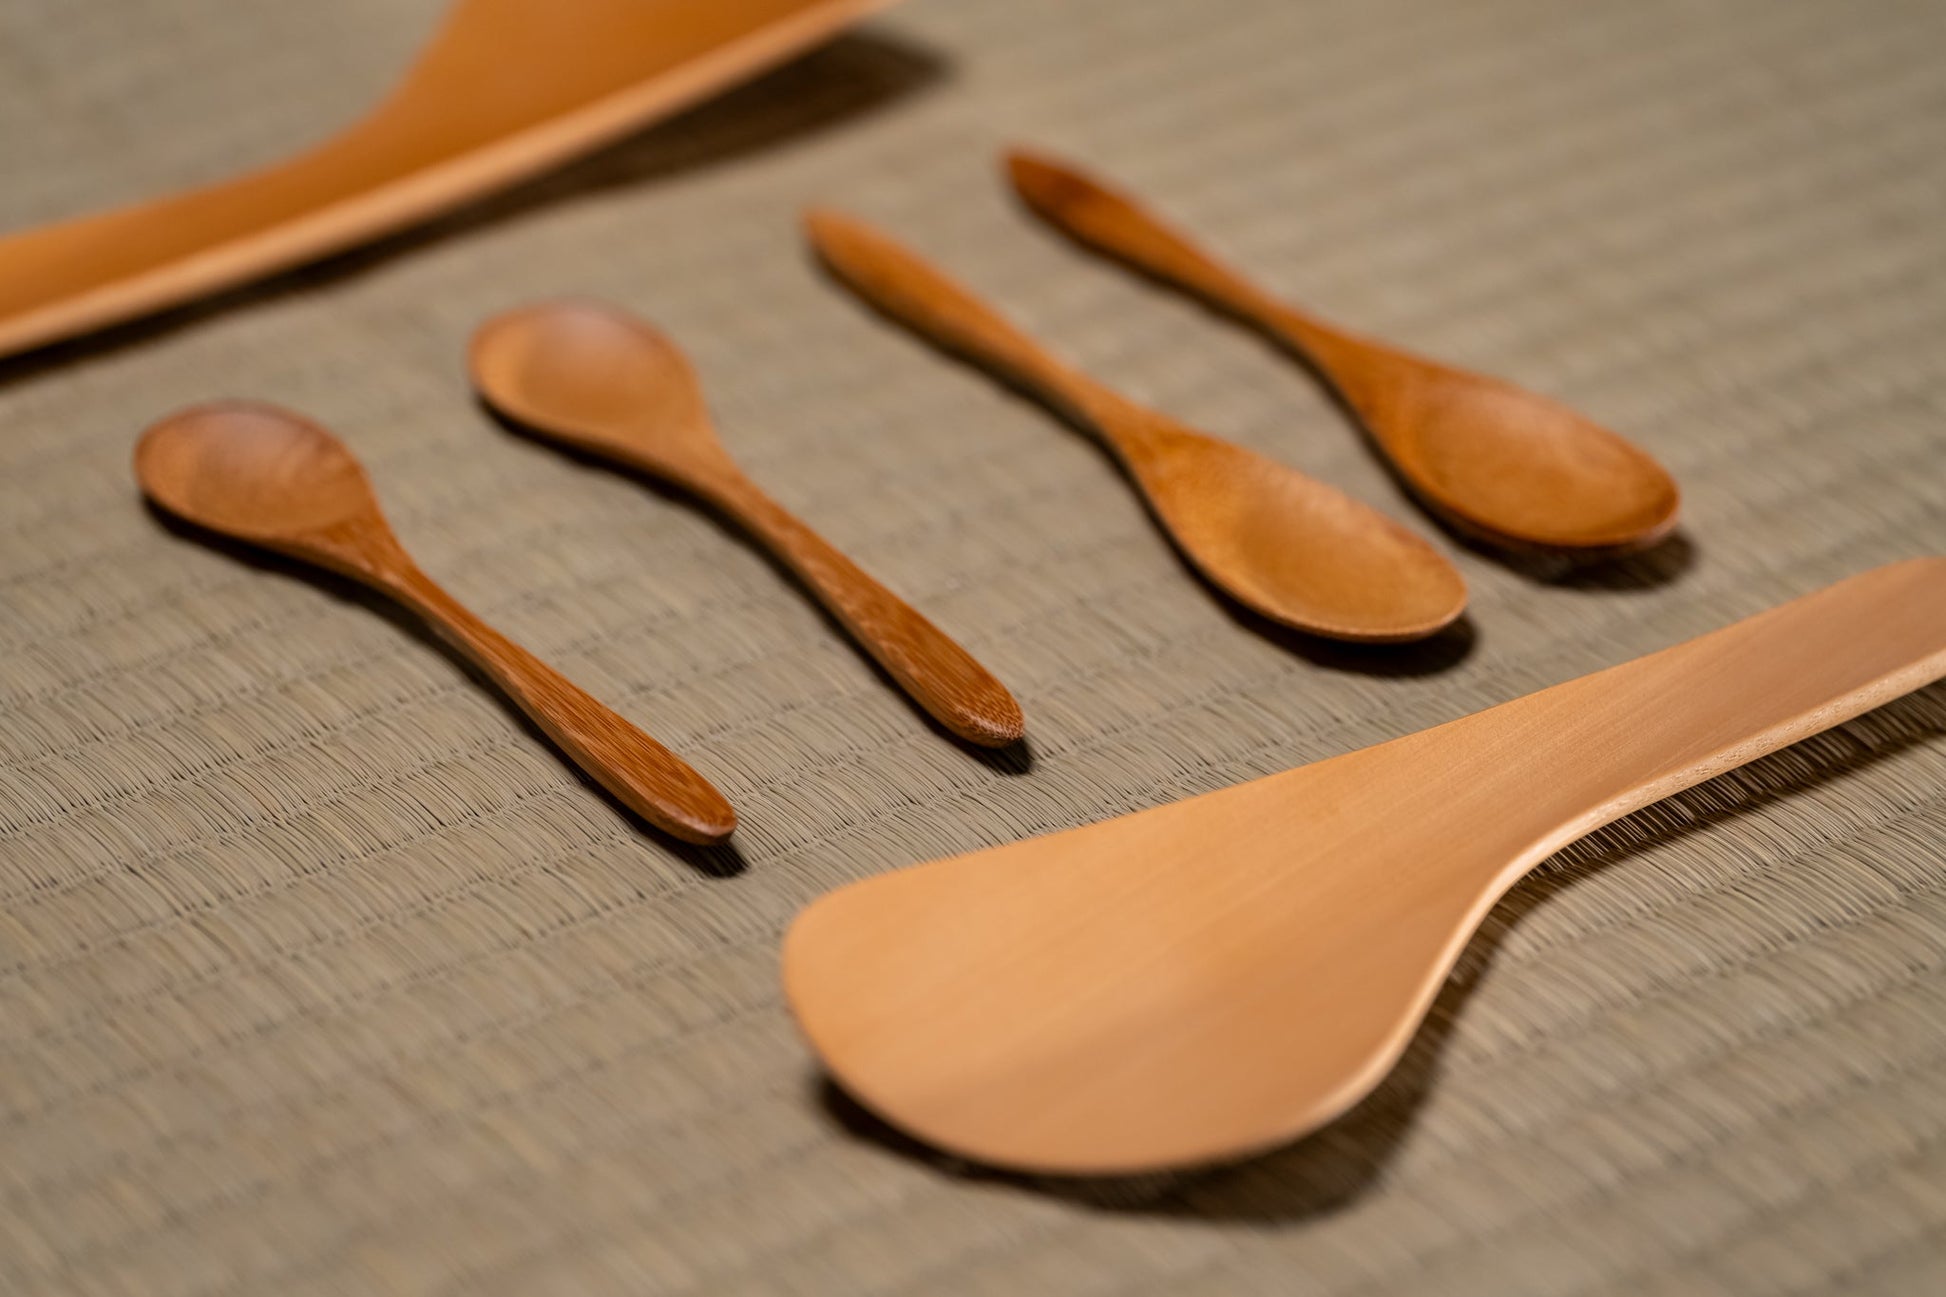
[505, 90]
[1496, 462]
[1210, 978]
[1290, 547]
[271, 478]
[610, 384]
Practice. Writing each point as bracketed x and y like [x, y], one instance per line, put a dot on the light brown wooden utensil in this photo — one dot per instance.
[1213, 977]
[610, 384]
[274, 479]
[506, 89]
[1495, 461]
[1290, 547]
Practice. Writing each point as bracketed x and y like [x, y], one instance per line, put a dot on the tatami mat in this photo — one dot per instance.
[319, 974]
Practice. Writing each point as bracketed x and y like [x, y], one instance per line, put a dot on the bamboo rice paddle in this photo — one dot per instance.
[1211, 978]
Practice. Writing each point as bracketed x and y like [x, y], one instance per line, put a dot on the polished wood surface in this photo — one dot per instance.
[608, 383]
[1285, 545]
[1213, 977]
[272, 478]
[506, 89]
[1496, 462]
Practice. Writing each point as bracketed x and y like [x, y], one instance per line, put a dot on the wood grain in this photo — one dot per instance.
[1285, 545]
[505, 90]
[1496, 462]
[608, 383]
[274, 479]
[1213, 977]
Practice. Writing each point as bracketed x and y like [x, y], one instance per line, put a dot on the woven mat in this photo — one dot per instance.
[320, 974]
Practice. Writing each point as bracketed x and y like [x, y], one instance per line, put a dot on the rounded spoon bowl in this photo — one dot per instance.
[253, 472]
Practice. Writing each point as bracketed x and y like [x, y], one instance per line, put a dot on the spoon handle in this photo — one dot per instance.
[1593, 749]
[902, 284]
[645, 776]
[940, 675]
[1110, 222]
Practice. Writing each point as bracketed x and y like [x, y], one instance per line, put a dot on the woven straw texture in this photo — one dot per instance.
[320, 974]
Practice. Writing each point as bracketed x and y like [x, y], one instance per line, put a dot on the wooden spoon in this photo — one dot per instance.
[1213, 977]
[1290, 547]
[1496, 462]
[608, 383]
[506, 89]
[274, 479]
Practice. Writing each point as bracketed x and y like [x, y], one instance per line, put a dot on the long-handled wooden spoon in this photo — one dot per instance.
[1295, 550]
[274, 479]
[506, 89]
[1216, 976]
[608, 383]
[1495, 461]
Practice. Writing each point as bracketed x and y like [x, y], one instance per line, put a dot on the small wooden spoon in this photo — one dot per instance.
[275, 479]
[1290, 547]
[608, 383]
[1495, 461]
[1213, 977]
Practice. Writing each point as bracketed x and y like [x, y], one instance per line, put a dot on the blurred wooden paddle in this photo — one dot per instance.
[1213, 977]
[506, 89]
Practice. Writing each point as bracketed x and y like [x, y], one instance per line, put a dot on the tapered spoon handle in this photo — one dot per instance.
[1112, 223]
[645, 776]
[904, 286]
[957, 691]
[1593, 749]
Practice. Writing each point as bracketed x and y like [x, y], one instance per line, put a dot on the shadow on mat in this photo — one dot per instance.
[1663, 563]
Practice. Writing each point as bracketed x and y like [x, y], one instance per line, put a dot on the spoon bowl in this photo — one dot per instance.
[610, 384]
[1291, 548]
[602, 380]
[1498, 463]
[254, 472]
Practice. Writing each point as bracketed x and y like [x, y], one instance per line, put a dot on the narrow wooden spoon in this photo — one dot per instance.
[608, 383]
[1295, 550]
[275, 479]
[1497, 462]
[1213, 977]
[506, 89]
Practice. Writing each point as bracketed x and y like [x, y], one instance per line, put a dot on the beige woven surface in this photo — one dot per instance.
[319, 974]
